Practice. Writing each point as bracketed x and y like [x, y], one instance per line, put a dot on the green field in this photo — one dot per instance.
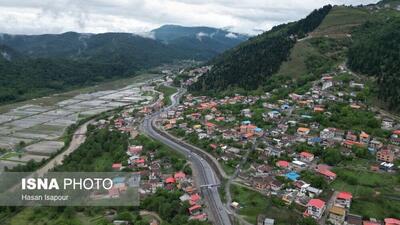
[375, 195]
[167, 91]
[253, 204]
[341, 20]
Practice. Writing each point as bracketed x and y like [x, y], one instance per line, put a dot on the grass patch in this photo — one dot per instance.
[341, 20]
[295, 66]
[167, 91]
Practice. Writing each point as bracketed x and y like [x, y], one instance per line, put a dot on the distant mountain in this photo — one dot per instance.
[204, 42]
[35, 65]
[8, 54]
[125, 48]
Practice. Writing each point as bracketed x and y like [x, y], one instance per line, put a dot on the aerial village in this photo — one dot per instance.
[154, 168]
[300, 148]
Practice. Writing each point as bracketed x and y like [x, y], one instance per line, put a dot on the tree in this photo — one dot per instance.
[307, 221]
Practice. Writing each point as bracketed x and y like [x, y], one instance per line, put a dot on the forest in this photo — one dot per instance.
[376, 52]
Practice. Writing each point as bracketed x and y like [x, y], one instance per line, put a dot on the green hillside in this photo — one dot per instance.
[365, 37]
[252, 62]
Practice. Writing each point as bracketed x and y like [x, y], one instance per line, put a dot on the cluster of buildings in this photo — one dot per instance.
[229, 126]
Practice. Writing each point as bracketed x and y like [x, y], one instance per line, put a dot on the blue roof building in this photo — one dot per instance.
[118, 180]
[246, 122]
[292, 176]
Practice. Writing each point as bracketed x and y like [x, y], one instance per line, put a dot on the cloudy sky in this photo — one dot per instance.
[139, 16]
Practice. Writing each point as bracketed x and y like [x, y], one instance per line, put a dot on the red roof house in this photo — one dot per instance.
[194, 209]
[344, 199]
[392, 221]
[179, 175]
[116, 166]
[327, 173]
[306, 156]
[170, 180]
[315, 208]
[282, 164]
[194, 199]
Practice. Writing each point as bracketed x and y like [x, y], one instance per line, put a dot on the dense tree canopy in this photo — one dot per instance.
[376, 52]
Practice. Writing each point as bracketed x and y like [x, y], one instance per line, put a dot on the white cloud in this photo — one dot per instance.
[140, 16]
[231, 35]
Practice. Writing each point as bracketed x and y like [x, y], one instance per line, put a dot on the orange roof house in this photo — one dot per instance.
[303, 130]
[319, 109]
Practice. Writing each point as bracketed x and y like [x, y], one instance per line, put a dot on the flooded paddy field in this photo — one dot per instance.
[36, 129]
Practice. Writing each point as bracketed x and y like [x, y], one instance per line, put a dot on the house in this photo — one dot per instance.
[267, 221]
[385, 155]
[395, 137]
[200, 217]
[246, 113]
[344, 199]
[349, 144]
[245, 129]
[306, 157]
[299, 165]
[292, 176]
[194, 210]
[276, 185]
[314, 140]
[303, 131]
[134, 150]
[356, 85]
[364, 138]
[337, 215]
[210, 127]
[116, 166]
[374, 145]
[371, 222]
[315, 208]
[327, 133]
[282, 164]
[352, 219]
[351, 136]
[263, 170]
[327, 173]
[392, 221]
[194, 199]
[387, 123]
[170, 180]
[273, 114]
[179, 176]
[213, 146]
[386, 166]
[318, 109]
[262, 183]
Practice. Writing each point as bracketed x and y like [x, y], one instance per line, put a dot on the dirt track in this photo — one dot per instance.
[78, 138]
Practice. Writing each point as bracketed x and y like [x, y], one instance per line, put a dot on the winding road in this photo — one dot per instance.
[206, 176]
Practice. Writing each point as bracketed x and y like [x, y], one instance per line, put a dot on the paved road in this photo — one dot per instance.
[205, 174]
